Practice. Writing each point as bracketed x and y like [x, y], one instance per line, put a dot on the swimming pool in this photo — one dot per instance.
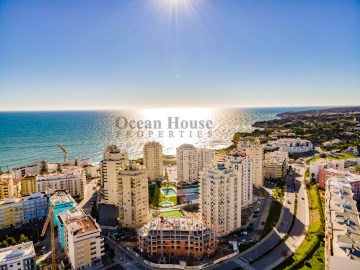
[166, 204]
[169, 192]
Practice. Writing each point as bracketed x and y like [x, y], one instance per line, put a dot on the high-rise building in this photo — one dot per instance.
[80, 237]
[243, 165]
[153, 160]
[133, 195]
[11, 213]
[254, 149]
[187, 164]
[109, 170]
[6, 186]
[71, 179]
[205, 157]
[19, 257]
[165, 238]
[221, 190]
[28, 185]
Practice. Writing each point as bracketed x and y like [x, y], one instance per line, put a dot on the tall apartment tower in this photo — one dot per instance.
[187, 164]
[153, 160]
[205, 157]
[243, 165]
[110, 166]
[133, 195]
[221, 191]
[254, 149]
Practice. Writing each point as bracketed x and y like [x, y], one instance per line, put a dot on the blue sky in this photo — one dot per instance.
[63, 54]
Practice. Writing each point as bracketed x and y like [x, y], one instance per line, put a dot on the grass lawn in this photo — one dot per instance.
[273, 217]
[310, 254]
[339, 156]
[162, 198]
[174, 213]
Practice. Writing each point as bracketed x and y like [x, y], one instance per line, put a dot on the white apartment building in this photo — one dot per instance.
[80, 236]
[205, 157]
[254, 150]
[31, 169]
[290, 145]
[187, 164]
[324, 163]
[71, 179]
[243, 165]
[18, 257]
[221, 191]
[153, 160]
[133, 195]
[109, 170]
[342, 228]
[275, 165]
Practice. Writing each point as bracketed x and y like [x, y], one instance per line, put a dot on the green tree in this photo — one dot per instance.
[4, 244]
[23, 239]
[155, 200]
[11, 241]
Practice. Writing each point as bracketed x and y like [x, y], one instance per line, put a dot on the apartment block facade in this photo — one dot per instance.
[163, 238]
[133, 195]
[113, 160]
[221, 193]
[11, 213]
[80, 237]
[62, 202]
[28, 185]
[18, 257]
[153, 160]
[71, 179]
[254, 149]
[6, 186]
[276, 165]
[187, 164]
[35, 206]
[243, 165]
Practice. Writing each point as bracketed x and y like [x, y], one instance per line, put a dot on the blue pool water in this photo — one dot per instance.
[169, 192]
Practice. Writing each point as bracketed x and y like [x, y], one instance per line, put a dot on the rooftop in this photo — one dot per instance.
[60, 197]
[342, 219]
[78, 222]
[15, 252]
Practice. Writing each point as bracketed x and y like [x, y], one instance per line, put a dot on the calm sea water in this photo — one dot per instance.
[26, 137]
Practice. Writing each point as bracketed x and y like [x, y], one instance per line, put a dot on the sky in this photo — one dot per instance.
[84, 54]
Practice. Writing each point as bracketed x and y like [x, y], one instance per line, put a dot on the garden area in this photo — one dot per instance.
[338, 156]
[156, 197]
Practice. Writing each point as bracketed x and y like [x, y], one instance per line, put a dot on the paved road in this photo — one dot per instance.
[297, 232]
[271, 239]
[124, 258]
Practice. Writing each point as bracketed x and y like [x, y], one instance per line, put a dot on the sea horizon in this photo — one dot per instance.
[30, 136]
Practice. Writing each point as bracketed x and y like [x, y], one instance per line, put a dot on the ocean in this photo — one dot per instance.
[27, 137]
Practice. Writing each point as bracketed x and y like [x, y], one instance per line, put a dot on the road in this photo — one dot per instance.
[273, 238]
[124, 258]
[297, 232]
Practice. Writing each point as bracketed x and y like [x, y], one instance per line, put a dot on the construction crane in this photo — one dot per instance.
[50, 219]
[64, 151]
